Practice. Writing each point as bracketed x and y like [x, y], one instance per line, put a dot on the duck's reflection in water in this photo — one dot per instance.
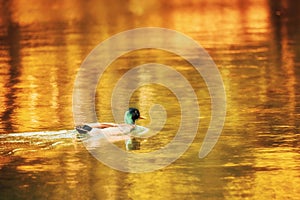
[133, 144]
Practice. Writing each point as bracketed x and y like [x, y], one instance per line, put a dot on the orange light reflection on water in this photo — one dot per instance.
[47, 40]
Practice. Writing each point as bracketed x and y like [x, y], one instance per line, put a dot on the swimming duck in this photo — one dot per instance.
[113, 132]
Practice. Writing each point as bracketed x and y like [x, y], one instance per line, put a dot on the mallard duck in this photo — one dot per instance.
[113, 131]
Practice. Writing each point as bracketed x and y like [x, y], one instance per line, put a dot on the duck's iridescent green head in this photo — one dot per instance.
[131, 115]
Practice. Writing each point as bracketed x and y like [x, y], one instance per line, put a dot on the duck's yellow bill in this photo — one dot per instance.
[142, 117]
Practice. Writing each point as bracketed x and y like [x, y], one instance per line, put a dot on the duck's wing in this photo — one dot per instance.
[111, 130]
[102, 125]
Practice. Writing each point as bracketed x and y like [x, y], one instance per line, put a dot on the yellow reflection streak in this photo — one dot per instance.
[288, 67]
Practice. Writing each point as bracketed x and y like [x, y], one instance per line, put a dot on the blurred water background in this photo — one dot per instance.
[254, 43]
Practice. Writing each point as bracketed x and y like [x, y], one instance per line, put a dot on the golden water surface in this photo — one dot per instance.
[254, 43]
